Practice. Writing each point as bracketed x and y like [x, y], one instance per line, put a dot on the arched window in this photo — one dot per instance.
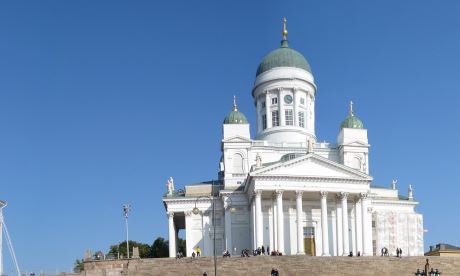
[356, 163]
[238, 163]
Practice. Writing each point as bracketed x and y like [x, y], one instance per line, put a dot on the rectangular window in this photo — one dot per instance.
[275, 118]
[289, 117]
[301, 119]
[264, 121]
[302, 101]
[275, 100]
[263, 104]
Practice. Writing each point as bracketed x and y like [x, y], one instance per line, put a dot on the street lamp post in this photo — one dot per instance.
[196, 211]
[427, 271]
[126, 209]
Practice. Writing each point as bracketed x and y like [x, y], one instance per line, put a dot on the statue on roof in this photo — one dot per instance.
[410, 192]
[393, 184]
[258, 161]
[170, 185]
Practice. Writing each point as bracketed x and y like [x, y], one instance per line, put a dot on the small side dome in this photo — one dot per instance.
[235, 117]
[352, 121]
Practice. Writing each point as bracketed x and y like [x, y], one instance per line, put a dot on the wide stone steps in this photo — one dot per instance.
[262, 265]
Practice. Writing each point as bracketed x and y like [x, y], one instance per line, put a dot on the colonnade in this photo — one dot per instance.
[361, 241]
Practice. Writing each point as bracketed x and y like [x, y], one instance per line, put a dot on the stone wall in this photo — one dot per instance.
[261, 265]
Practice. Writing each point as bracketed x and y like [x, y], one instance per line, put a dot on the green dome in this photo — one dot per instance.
[352, 121]
[283, 57]
[235, 117]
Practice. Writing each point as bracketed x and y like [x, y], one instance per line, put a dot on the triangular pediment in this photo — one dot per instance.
[311, 165]
[236, 139]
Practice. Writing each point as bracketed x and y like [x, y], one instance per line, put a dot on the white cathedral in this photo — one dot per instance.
[284, 190]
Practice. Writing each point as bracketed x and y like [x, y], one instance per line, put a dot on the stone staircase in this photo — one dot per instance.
[262, 265]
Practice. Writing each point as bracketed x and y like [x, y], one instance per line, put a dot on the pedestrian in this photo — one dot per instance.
[382, 251]
[198, 251]
[263, 250]
[400, 252]
[205, 274]
[268, 250]
[274, 272]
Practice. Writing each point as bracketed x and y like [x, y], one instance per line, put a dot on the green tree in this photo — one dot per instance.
[182, 246]
[160, 248]
[78, 266]
[144, 249]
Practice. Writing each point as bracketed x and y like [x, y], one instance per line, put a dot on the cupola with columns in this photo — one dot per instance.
[284, 93]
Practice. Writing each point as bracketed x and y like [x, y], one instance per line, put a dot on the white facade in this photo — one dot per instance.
[286, 191]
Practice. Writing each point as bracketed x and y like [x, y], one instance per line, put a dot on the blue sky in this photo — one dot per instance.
[102, 101]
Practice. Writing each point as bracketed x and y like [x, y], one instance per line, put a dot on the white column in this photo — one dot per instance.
[281, 107]
[228, 226]
[338, 215]
[279, 207]
[259, 113]
[295, 102]
[189, 237]
[253, 217]
[172, 235]
[300, 249]
[267, 109]
[324, 228]
[346, 244]
[358, 225]
[259, 219]
[275, 224]
[367, 226]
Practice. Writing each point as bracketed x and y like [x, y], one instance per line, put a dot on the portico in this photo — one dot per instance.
[312, 209]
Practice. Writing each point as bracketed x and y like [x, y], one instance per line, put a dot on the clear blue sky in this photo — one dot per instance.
[102, 101]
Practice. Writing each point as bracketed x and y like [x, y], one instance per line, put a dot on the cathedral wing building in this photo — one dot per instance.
[284, 190]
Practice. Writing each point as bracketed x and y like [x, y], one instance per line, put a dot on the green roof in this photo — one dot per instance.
[235, 117]
[352, 121]
[283, 57]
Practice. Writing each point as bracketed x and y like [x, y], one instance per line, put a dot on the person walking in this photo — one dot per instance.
[274, 272]
[198, 251]
[263, 250]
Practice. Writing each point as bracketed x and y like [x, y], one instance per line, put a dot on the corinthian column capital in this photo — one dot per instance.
[343, 195]
[323, 194]
[298, 194]
[279, 193]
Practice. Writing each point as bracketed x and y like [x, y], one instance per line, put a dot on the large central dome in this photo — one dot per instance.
[283, 57]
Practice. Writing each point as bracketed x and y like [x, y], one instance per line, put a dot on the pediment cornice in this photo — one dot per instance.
[352, 174]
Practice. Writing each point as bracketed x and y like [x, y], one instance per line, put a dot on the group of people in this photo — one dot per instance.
[226, 254]
[385, 252]
[198, 252]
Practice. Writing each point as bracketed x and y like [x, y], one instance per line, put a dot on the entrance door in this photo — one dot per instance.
[309, 241]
